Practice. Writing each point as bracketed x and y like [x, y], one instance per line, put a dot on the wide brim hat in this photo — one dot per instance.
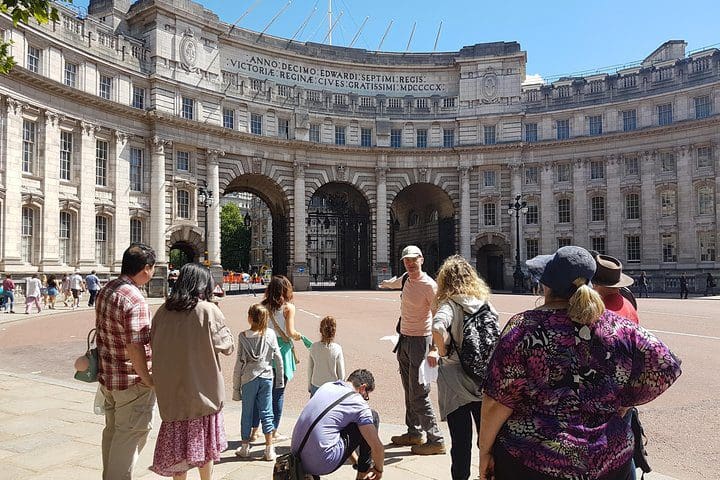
[562, 270]
[609, 273]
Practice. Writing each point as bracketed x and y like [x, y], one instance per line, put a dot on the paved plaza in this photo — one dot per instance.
[48, 429]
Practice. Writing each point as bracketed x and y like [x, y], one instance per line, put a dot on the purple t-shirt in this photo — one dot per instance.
[566, 382]
[324, 451]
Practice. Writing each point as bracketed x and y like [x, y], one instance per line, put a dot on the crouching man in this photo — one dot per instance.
[348, 426]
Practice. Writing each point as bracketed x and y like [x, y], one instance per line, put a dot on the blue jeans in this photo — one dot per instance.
[10, 298]
[278, 399]
[256, 399]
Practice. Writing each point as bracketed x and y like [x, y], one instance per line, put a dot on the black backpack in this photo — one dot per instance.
[481, 333]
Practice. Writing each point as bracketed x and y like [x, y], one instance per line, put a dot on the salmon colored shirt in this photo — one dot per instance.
[622, 306]
[415, 307]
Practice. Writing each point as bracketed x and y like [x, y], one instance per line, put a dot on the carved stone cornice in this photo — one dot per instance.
[13, 106]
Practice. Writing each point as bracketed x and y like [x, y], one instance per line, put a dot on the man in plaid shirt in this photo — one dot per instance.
[123, 339]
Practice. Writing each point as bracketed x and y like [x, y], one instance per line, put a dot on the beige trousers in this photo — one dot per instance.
[128, 420]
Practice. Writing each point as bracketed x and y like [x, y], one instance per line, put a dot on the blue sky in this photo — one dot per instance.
[560, 37]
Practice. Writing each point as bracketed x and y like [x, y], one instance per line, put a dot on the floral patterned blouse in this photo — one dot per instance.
[566, 382]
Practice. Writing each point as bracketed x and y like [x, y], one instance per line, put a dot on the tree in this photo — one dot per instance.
[234, 238]
[43, 11]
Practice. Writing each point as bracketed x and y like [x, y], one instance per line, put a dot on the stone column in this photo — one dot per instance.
[158, 193]
[516, 189]
[300, 275]
[614, 208]
[13, 184]
[121, 193]
[580, 203]
[86, 194]
[51, 182]
[649, 213]
[213, 184]
[686, 208]
[548, 209]
[465, 222]
[382, 240]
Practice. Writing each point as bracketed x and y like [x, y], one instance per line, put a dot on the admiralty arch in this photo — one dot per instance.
[114, 123]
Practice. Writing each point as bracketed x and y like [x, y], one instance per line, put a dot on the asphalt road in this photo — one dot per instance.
[682, 425]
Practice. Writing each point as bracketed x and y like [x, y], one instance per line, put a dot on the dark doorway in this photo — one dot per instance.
[490, 263]
[180, 254]
[338, 238]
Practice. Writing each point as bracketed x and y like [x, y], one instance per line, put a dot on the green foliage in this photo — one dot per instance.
[21, 11]
[178, 258]
[234, 238]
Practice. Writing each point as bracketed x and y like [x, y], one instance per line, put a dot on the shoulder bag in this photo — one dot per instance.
[289, 465]
[91, 372]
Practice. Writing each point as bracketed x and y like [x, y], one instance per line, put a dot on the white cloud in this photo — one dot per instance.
[533, 79]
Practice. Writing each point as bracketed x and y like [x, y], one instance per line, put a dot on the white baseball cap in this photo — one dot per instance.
[411, 251]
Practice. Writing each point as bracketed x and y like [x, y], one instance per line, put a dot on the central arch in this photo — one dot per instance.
[492, 253]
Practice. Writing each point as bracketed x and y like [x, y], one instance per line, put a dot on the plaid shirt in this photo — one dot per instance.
[122, 317]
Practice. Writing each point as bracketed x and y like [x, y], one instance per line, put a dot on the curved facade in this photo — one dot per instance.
[113, 123]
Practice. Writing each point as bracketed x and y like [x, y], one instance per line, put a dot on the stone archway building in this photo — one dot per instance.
[112, 123]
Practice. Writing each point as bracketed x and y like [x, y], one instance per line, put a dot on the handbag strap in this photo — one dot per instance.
[332, 405]
[285, 336]
[91, 337]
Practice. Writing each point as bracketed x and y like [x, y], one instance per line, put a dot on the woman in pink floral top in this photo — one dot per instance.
[561, 379]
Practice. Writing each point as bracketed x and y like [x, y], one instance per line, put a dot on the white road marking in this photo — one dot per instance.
[309, 313]
[685, 334]
[643, 312]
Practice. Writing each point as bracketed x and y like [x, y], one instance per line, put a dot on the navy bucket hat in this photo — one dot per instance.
[561, 270]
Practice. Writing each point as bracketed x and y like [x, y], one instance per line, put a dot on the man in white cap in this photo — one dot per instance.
[418, 292]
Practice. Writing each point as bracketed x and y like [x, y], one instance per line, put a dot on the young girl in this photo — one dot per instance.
[253, 378]
[326, 357]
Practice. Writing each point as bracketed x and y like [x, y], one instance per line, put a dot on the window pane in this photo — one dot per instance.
[490, 135]
[314, 132]
[396, 138]
[66, 147]
[422, 138]
[366, 137]
[183, 204]
[563, 129]
[183, 161]
[339, 135]
[448, 138]
[256, 123]
[28, 159]
[101, 162]
[136, 165]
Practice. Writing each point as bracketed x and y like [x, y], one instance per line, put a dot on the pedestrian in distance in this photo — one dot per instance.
[33, 292]
[710, 285]
[44, 290]
[462, 301]
[77, 286]
[188, 334]
[643, 284]
[52, 286]
[65, 289]
[326, 362]
[415, 340]
[9, 292]
[92, 282]
[684, 290]
[254, 378]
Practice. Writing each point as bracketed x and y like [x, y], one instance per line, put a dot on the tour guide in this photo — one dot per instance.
[416, 298]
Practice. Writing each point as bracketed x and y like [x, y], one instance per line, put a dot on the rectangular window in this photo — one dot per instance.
[707, 246]
[396, 138]
[632, 166]
[421, 138]
[339, 135]
[563, 129]
[256, 85]
[531, 132]
[665, 114]
[101, 163]
[597, 170]
[187, 110]
[490, 135]
[395, 103]
[421, 104]
[314, 96]
[563, 91]
[182, 161]
[489, 178]
[669, 247]
[629, 120]
[65, 236]
[705, 196]
[597, 209]
[284, 91]
[366, 102]
[598, 244]
[701, 64]
[26, 234]
[596, 86]
[704, 157]
[366, 137]
[531, 176]
[595, 125]
[28, 159]
[339, 99]
[489, 214]
[283, 128]
[33, 59]
[564, 242]
[138, 98]
[632, 206]
[532, 95]
[183, 204]
[448, 137]
[632, 248]
[668, 203]
[136, 230]
[70, 75]
[105, 90]
[629, 81]
[256, 121]
[449, 102]
[563, 172]
[315, 132]
[136, 169]
[532, 217]
[702, 107]
[101, 236]
[66, 149]
[664, 73]
[532, 248]
[667, 162]
[563, 206]
[229, 118]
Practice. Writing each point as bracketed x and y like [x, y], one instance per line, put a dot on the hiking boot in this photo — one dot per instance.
[269, 454]
[429, 448]
[243, 451]
[406, 439]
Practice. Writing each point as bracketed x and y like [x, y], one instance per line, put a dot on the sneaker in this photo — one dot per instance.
[279, 437]
[406, 439]
[429, 448]
[269, 454]
[243, 451]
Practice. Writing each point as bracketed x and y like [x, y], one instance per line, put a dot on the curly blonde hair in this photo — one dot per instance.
[457, 277]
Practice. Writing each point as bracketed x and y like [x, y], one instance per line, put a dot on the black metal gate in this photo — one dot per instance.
[280, 245]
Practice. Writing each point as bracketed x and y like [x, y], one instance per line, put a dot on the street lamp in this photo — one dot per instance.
[518, 276]
[205, 197]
